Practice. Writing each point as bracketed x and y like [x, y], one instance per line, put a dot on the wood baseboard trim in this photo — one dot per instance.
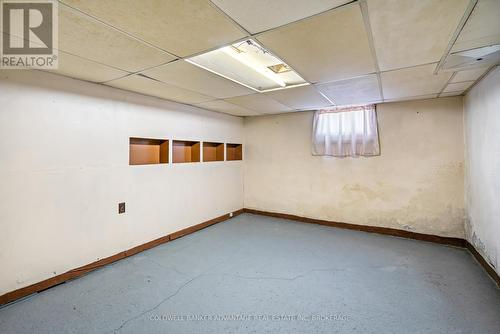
[486, 266]
[83, 270]
[364, 228]
[457, 242]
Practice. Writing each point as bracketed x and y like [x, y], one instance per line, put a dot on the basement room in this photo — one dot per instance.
[250, 166]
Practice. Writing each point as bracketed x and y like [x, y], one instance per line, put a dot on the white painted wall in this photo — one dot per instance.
[416, 184]
[64, 169]
[482, 137]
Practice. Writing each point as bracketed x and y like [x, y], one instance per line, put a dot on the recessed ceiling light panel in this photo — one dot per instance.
[479, 57]
[249, 64]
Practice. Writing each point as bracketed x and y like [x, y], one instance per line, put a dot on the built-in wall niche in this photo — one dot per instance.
[145, 151]
[234, 152]
[185, 151]
[213, 151]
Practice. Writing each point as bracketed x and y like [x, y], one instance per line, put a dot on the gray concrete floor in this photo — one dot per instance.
[255, 274]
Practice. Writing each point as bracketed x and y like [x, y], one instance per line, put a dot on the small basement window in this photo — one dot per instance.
[348, 131]
[185, 151]
[145, 151]
[213, 151]
[234, 152]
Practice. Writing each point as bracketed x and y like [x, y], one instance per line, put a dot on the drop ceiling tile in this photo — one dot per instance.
[177, 26]
[139, 84]
[259, 103]
[259, 15]
[185, 75]
[413, 81]
[482, 28]
[408, 33]
[83, 36]
[457, 87]
[80, 68]
[352, 91]
[330, 46]
[469, 75]
[303, 97]
[226, 107]
[413, 98]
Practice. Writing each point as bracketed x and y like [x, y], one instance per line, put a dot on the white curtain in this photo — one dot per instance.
[346, 132]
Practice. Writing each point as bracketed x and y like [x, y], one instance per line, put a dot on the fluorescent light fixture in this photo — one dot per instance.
[246, 60]
[249, 64]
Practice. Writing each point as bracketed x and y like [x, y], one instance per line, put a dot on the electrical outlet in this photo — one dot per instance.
[121, 207]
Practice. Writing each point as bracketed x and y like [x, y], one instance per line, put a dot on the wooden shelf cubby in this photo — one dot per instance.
[234, 152]
[145, 151]
[185, 151]
[213, 151]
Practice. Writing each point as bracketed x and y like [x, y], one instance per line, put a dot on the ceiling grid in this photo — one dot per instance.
[346, 51]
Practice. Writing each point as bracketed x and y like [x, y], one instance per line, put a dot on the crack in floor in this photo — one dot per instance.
[156, 306]
[205, 273]
[170, 296]
[293, 278]
[166, 267]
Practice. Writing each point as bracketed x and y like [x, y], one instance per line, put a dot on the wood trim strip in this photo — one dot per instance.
[364, 228]
[487, 267]
[457, 242]
[83, 270]
[198, 227]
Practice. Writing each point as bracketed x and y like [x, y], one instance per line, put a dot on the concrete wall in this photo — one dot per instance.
[64, 169]
[416, 184]
[482, 135]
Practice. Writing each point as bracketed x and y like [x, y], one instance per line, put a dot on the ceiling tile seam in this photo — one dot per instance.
[65, 76]
[286, 87]
[324, 95]
[415, 97]
[251, 109]
[226, 15]
[480, 78]
[288, 105]
[303, 19]
[284, 104]
[173, 101]
[127, 75]
[446, 84]
[95, 61]
[456, 33]
[164, 84]
[458, 92]
[236, 104]
[463, 81]
[154, 66]
[345, 79]
[210, 110]
[407, 67]
[368, 28]
[119, 30]
[222, 76]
